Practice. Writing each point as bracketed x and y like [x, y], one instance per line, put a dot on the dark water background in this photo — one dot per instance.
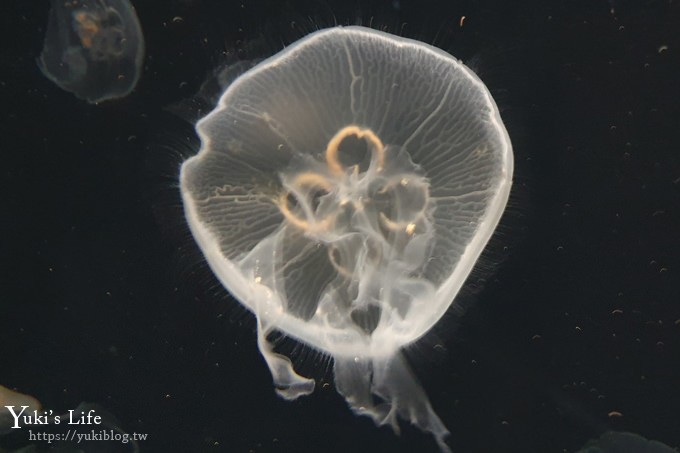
[573, 314]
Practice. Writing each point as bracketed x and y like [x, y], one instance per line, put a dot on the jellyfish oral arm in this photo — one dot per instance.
[359, 380]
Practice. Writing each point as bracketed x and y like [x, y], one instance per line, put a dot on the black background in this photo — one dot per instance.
[573, 312]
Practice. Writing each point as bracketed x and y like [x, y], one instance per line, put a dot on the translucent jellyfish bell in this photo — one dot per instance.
[93, 48]
[14, 401]
[344, 189]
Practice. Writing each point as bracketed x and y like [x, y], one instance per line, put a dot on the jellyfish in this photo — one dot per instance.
[10, 398]
[624, 442]
[93, 48]
[19, 411]
[343, 191]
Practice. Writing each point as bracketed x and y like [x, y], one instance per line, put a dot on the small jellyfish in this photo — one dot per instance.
[11, 399]
[343, 192]
[93, 48]
[19, 411]
[624, 442]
